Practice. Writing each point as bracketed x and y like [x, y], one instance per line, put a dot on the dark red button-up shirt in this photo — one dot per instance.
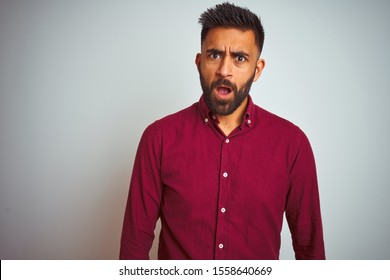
[222, 197]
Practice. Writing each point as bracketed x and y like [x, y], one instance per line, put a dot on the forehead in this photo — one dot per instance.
[231, 38]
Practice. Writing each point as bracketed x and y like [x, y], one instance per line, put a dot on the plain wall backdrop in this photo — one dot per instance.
[80, 81]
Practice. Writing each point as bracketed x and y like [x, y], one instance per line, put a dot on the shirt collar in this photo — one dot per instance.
[209, 116]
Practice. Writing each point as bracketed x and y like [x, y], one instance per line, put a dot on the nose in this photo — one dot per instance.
[225, 68]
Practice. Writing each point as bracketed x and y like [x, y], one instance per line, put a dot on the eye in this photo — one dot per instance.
[215, 55]
[240, 58]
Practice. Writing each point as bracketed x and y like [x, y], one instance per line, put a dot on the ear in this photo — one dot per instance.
[260, 64]
[197, 60]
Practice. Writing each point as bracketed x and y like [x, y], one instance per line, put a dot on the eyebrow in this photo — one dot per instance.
[214, 51]
[241, 53]
[234, 53]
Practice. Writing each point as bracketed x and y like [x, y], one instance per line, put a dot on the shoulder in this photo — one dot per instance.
[180, 116]
[279, 127]
[269, 120]
[173, 121]
[283, 133]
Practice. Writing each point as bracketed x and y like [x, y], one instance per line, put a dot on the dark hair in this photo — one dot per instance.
[229, 15]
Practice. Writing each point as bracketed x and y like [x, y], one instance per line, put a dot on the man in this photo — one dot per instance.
[221, 173]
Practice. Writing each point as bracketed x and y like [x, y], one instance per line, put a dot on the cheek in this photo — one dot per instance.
[243, 75]
[207, 74]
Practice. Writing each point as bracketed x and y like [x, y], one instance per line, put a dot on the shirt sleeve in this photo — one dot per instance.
[303, 212]
[143, 204]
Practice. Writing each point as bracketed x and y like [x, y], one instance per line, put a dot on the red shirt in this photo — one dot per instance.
[222, 197]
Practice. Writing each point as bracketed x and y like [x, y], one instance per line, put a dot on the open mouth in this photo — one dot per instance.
[223, 90]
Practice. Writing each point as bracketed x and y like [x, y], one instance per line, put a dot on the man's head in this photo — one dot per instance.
[232, 40]
[229, 15]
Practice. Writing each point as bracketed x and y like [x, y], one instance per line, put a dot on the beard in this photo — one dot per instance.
[225, 107]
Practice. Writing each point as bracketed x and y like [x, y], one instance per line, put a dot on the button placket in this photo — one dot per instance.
[224, 185]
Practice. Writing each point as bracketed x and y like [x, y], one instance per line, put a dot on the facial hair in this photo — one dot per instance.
[225, 107]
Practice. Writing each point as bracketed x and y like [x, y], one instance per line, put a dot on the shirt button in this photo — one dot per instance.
[225, 174]
[227, 141]
[214, 117]
[223, 210]
[249, 121]
[206, 120]
[220, 246]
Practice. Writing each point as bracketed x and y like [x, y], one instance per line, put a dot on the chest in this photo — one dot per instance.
[247, 169]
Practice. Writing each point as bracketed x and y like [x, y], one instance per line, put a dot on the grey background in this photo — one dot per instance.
[80, 81]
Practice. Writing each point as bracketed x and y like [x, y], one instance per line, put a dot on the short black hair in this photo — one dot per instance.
[229, 15]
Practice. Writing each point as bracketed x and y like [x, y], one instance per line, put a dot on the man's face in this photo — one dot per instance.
[228, 64]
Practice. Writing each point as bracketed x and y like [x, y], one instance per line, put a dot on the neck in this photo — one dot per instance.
[228, 123]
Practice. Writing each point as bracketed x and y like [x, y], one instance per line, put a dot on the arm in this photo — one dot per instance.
[143, 204]
[303, 205]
